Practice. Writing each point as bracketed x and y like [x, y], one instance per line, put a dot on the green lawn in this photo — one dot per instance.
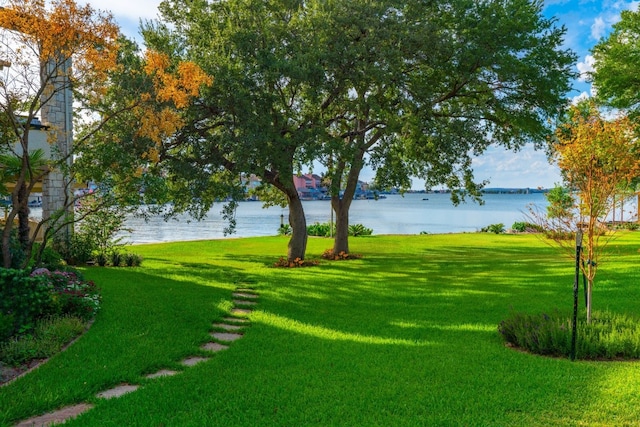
[407, 335]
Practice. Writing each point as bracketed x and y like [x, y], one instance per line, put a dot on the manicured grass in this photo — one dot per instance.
[407, 335]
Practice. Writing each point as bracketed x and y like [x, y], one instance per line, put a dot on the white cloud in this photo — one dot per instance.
[525, 168]
[598, 28]
[581, 97]
[585, 67]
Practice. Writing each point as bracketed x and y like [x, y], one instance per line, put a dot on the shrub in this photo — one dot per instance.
[132, 260]
[321, 230]
[71, 294]
[608, 336]
[493, 228]
[77, 250]
[24, 297]
[632, 226]
[356, 230]
[50, 258]
[6, 326]
[101, 259]
[526, 227]
[116, 258]
[559, 235]
[285, 230]
[16, 251]
[49, 337]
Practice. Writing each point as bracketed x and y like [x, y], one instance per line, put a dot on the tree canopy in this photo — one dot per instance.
[410, 88]
[617, 62]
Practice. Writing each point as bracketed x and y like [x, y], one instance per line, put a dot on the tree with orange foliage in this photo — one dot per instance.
[134, 153]
[597, 157]
[40, 42]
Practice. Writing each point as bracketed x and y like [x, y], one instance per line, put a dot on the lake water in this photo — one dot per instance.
[412, 214]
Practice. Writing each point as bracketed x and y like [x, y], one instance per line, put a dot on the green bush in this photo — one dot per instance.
[608, 336]
[528, 227]
[49, 337]
[632, 226]
[321, 230]
[101, 259]
[71, 294]
[77, 250]
[17, 253]
[493, 228]
[132, 260]
[356, 230]
[116, 258]
[285, 230]
[50, 258]
[6, 326]
[25, 298]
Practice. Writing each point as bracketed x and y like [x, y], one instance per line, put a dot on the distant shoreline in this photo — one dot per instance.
[495, 190]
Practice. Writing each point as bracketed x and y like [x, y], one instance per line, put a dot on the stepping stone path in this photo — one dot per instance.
[243, 298]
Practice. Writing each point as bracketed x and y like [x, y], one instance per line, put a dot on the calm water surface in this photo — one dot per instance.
[411, 214]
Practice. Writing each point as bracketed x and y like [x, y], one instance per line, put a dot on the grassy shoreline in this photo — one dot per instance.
[407, 335]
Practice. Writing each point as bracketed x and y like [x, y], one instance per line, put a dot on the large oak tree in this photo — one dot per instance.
[410, 88]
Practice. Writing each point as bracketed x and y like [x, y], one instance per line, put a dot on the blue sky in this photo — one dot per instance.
[587, 21]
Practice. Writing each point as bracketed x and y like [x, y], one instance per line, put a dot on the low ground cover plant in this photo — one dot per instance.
[48, 337]
[41, 311]
[608, 336]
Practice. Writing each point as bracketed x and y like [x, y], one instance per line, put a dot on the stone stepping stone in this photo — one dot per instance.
[214, 346]
[162, 373]
[59, 416]
[243, 302]
[244, 295]
[192, 361]
[241, 311]
[228, 327]
[226, 336]
[117, 391]
[235, 320]
[246, 290]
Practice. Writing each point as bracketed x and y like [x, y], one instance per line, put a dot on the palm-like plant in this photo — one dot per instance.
[12, 166]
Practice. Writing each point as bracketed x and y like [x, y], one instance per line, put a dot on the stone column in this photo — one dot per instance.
[57, 112]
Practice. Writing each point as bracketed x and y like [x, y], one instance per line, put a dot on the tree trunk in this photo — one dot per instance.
[341, 207]
[298, 243]
[6, 242]
[341, 238]
[23, 218]
[297, 246]
[589, 289]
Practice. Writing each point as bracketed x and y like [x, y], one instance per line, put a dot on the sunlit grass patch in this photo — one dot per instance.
[406, 335]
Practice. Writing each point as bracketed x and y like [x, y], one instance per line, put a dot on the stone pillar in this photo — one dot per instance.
[57, 112]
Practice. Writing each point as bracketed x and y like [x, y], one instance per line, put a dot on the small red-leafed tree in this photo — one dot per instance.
[597, 158]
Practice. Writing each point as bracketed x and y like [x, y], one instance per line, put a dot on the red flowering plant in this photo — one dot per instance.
[71, 294]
